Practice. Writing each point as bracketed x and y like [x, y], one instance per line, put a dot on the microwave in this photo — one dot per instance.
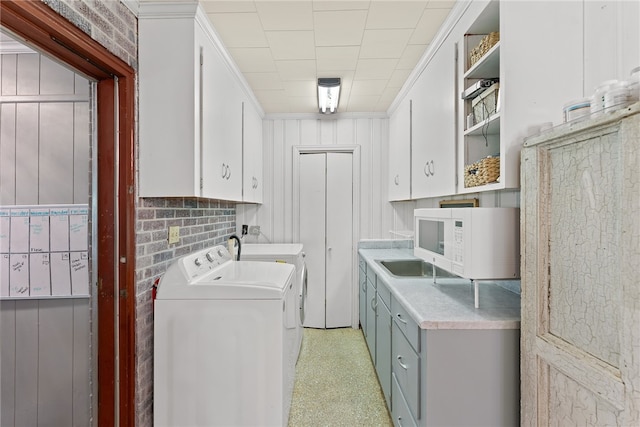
[473, 243]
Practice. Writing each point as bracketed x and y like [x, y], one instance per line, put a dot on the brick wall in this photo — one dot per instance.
[108, 22]
[202, 223]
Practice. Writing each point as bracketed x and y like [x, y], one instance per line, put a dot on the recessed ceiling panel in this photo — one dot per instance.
[339, 28]
[384, 43]
[285, 15]
[291, 44]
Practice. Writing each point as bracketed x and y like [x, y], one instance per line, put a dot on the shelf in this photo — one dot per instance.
[481, 188]
[487, 67]
[490, 127]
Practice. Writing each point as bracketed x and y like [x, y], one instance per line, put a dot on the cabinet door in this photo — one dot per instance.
[433, 127]
[252, 154]
[363, 299]
[221, 129]
[371, 318]
[383, 348]
[169, 147]
[400, 152]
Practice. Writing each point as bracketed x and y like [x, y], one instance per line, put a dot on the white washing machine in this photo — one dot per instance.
[291, 253]
[222, 334]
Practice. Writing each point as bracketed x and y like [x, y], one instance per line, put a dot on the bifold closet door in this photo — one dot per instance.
[326, 206]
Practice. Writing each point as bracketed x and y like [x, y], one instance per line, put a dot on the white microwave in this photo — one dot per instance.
[474, 243]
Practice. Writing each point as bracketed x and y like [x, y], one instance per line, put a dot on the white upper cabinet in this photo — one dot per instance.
[433, 165]
[169, 106]
[221, 130]
[400, 152]
[190, 107]
[252, 155]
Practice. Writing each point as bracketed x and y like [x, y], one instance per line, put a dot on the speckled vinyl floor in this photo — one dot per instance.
[336, 384]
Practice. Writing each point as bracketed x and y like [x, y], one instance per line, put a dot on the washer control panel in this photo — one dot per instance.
[202, 262]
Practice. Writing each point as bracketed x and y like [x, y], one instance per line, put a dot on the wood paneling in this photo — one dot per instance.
[275, 215]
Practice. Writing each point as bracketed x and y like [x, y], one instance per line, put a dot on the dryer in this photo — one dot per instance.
[291, 253]
[223, 332]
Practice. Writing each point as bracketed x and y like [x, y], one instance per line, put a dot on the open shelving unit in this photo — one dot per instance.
[480, 138]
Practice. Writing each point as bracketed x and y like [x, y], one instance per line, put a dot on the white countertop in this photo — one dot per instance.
[449, 303]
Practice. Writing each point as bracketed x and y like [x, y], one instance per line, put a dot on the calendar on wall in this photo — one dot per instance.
[44, 251]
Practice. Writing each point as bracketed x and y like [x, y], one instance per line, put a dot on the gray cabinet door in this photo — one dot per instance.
[371, 319]
[362, 290]
[383, 348]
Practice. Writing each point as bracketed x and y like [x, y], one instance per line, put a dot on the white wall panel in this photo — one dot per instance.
[275, 215]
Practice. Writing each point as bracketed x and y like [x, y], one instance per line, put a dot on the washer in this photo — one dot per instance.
[290, 253]
[222, 340]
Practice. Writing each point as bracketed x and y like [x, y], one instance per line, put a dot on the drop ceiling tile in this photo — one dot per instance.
[375, 69]
[368, 87]
[428, 25]
[226, 6]
[384, 43]
[239, 29]
[253, 60]
[300, 88]
[340, 5]
[441, 4]
[271, 96]
[411, 55]
[304, 104]
[362, 103]
[388, 96]
[291, 44]
[264, 81]
[297, 70]
[398, 77]
[394, 14]
[336, 58]
[339, 28]
[285, 15]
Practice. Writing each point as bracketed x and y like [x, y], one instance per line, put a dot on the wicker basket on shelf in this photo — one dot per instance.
[483, 47]
[484, 171]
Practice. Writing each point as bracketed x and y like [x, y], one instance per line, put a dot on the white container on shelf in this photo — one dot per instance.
[578, 109]
[616, 96]
[597, 100]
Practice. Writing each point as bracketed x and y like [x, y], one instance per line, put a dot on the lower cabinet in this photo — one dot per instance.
[362, 286]
[436, 377]
[383, 343]
[370, 327]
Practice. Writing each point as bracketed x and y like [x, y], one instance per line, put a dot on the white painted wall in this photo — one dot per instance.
[280, 135]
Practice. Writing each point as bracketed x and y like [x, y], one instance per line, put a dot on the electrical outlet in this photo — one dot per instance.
[254, 230]
[174, 234]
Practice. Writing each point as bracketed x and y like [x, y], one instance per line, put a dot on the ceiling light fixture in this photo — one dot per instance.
[328, 94]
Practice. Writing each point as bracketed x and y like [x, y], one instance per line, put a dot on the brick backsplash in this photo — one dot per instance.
[202, 223]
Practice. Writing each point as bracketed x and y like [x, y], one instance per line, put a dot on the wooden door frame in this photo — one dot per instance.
[49, 32]
[354, 150]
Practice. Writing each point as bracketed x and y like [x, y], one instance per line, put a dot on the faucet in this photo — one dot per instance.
[237, 239]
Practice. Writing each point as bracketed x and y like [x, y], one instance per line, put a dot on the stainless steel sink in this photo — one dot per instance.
[413, 268]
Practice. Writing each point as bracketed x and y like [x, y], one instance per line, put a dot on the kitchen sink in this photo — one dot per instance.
[413, 268]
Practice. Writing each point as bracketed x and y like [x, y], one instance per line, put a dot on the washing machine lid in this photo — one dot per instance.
[222, 278]
[251, 250]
